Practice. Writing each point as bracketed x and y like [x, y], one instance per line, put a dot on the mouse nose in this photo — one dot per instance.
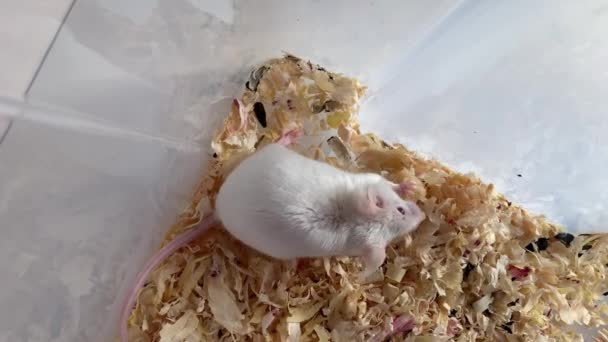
[415, 211]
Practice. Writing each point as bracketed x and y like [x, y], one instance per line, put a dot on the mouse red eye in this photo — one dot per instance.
[401, 210]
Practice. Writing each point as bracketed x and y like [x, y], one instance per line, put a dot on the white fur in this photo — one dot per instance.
[288, 206]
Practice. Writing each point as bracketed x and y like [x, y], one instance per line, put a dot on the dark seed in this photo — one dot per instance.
[507, 327]
[539, 245]
[531, 247]
[467, 270]
[331, 105]
[542, 244]
[260, 113]
[565, 238]
[317, 108]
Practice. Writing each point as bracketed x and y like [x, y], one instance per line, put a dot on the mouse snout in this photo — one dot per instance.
[416, 212]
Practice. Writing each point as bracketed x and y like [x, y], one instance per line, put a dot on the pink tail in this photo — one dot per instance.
[156, 260]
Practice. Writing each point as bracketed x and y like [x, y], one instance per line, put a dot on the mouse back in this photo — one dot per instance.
[275, 197]
[286, 205]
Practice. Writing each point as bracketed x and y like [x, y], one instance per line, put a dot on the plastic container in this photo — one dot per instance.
[114, 131]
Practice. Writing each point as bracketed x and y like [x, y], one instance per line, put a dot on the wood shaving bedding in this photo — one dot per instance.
[479, 268]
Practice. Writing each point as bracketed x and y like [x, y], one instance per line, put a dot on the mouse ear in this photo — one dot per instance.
[369, 202]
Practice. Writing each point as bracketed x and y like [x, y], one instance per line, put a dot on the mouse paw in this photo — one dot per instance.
[405, 188]
[373, 257]
[290, 137]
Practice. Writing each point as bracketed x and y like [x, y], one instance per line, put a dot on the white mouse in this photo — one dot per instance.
[288, 206]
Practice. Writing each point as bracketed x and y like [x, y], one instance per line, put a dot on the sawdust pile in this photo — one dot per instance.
[479, 267]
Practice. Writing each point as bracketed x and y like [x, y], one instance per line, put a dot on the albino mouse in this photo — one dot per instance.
[288, 206]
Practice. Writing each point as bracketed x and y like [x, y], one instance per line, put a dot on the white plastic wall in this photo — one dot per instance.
[115, 132]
